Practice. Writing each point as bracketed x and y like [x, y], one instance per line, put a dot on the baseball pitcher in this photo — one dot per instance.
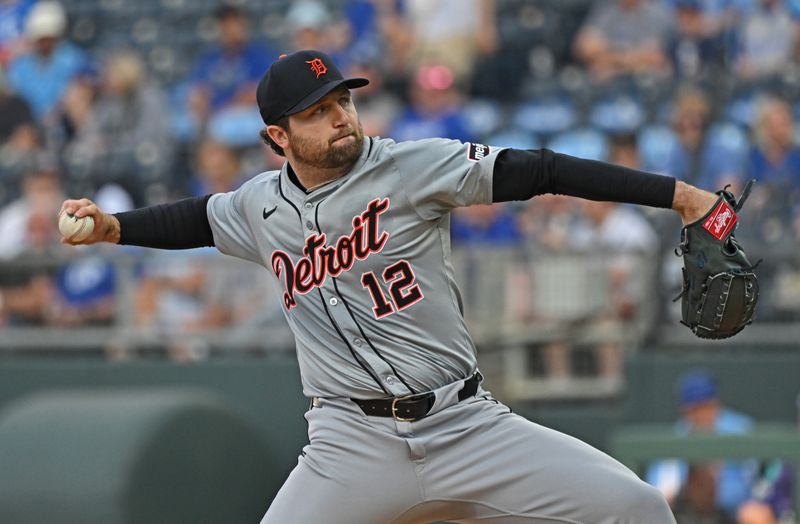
[355, 230]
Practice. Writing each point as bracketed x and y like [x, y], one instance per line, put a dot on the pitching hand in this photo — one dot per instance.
[106, 227]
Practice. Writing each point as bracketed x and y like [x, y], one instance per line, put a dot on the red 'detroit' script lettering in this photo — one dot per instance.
[322, 260]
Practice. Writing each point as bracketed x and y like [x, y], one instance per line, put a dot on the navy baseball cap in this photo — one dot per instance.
[297, 81]
[695, 387]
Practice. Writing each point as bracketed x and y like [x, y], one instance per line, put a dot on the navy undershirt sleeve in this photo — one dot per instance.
[522, 174]
[177, 225]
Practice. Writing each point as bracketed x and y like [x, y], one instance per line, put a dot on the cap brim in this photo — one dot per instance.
[319, 93]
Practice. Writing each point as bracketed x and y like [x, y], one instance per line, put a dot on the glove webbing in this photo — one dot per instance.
[727, 279]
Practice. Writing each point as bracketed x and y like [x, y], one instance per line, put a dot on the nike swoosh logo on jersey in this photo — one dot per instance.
[266, 213]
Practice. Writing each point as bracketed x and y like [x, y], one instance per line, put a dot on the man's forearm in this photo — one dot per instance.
[178, 225]
[520, 175]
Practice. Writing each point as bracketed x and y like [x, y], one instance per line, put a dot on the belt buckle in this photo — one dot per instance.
[394, 410]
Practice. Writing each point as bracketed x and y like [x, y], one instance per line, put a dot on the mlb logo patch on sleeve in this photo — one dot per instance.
[477, 152]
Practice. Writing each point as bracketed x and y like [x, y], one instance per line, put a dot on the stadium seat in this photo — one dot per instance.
[741, 109]
[584, 142]
[727, 145]
[483, 116]
[514, 137]
[656, 143]
[618, 114]
[546, 115]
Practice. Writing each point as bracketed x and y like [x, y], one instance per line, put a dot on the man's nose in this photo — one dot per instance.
[340, 116]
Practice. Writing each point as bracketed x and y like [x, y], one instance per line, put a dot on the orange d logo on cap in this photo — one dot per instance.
[318, 66]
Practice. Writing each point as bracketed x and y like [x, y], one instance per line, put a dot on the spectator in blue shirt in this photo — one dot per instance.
[43, 74]
[767, 41]
[227, 74]
[218, 170]
[436, 108]
[774, 162]
[775, 159]
[773, 496]
[703, 412]
[12, 24]
[719, 17]
[486, 226]
[695, 45]
[698, 157]
[625, 37]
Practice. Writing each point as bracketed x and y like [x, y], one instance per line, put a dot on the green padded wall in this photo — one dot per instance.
[129, 457]
[764, 384]
[266, 392]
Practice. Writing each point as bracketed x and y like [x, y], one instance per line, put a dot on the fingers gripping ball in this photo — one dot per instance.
[75, 229]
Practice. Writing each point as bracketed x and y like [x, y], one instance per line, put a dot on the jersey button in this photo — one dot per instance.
[358, 342]
[390, 380]
[333, 301]
[309, 205]
[309, 225]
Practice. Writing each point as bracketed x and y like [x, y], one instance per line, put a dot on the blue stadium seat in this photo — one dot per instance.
[741, 109]
[617, 114]
[146, 31]
[483, 116]
[515, 138]
[726, 148]
[546, 115]
[584, 143]
[162, 60]
[236, 127]
[657, 144]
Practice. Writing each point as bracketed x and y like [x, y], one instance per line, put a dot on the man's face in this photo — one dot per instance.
[779, 125]
[233, 32]
[327, 134]
[45, 45]
[702, 415]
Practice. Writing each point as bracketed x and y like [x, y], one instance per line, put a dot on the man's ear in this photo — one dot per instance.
[278, 135]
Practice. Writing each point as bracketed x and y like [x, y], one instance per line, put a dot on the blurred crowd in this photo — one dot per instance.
[138, 103]
[748, 491]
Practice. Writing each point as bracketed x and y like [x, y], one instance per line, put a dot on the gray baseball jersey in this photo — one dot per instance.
[368, 289]
[363, 262]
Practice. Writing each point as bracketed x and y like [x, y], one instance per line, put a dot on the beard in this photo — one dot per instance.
[327, 154]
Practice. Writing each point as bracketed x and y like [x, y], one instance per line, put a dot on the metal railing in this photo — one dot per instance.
[193, 304]
[507, 296]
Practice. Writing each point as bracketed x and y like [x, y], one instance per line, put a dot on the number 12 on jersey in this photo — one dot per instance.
[403, 290]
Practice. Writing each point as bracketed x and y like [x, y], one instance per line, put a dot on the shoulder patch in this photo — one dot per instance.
[477, 152]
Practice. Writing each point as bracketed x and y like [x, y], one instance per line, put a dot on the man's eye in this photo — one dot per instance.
[318, 111]
[344, 102]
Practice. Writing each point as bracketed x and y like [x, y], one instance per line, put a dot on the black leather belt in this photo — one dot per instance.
[413, 407]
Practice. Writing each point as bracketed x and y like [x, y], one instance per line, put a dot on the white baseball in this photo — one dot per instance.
[75, 229]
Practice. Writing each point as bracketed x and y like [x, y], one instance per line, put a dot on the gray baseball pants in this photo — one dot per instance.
[472, 461]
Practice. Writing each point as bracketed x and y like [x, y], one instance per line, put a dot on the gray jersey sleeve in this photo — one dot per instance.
[230, 226]
[439, 174]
